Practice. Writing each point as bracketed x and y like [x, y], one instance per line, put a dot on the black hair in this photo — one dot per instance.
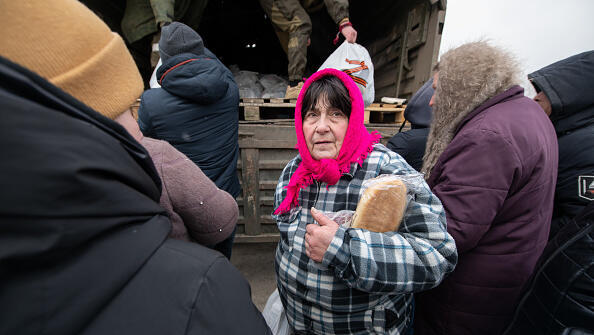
[331, 87]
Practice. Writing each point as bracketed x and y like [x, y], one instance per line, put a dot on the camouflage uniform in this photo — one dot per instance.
[142, 17]
[293, 26]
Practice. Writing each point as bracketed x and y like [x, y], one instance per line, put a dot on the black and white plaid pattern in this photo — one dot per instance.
[364, 276]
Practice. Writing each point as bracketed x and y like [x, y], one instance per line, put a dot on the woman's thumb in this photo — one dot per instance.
[319, 217]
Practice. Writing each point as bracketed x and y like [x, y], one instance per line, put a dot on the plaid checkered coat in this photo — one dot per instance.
[365, 282]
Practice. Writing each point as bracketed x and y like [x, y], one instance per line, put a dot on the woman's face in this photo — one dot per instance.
[324, 128]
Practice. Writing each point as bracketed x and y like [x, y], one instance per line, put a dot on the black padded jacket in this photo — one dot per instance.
[83, 240]
[568, 85]
[560, 296]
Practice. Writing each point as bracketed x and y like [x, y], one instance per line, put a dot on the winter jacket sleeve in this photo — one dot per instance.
[194, 196]
[415, 258]
[338, 9]
[224, 305]
[474, 183]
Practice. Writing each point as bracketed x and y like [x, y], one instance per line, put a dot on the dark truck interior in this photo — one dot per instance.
[402, 38]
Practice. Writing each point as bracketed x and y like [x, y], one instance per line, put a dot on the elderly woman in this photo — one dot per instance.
[337, 280]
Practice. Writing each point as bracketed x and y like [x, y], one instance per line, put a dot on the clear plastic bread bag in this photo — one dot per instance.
[382, 204]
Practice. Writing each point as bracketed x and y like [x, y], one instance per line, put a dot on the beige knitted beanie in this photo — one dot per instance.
[67, 44]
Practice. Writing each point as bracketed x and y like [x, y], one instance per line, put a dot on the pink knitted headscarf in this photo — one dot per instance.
[357, 144]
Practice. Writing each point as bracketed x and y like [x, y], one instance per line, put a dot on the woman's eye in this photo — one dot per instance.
[337, 114]
[310, 114]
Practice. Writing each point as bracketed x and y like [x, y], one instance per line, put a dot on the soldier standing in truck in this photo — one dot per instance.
[144, 18]
[293, 28]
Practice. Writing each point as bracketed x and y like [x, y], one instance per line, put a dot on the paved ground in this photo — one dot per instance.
[256, 262]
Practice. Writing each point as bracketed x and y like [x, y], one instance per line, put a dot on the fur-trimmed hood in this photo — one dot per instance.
[468, 76]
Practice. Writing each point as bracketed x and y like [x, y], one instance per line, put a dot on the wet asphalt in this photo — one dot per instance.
[256, 262]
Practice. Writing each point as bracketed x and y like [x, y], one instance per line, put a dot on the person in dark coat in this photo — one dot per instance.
[561, 294]
[491, 159]
[411, 144]
[564, 91]
[195, 109]
[83, 240]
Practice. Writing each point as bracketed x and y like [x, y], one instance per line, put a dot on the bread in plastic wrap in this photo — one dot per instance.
[382, 206]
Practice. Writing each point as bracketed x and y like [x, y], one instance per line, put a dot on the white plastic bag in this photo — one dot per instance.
[153, 83]
[274, 314]
[248, 84]
[274, 86]
[354, 59]
[344, 217]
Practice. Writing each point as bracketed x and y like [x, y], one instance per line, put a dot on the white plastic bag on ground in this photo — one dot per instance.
[354, 59]
[274, 314]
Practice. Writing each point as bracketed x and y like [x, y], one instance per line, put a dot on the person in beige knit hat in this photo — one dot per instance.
[84, 239]
[94, 66]
[73, 50]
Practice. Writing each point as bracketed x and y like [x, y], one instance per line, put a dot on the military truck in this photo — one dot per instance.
[402, 37]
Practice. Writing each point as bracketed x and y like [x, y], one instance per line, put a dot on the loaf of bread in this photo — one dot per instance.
[381, 206]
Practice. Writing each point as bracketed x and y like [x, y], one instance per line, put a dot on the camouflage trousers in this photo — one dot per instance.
[293, 28]
[142, 17]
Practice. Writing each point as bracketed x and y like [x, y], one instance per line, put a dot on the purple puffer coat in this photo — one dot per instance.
[496, 180]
